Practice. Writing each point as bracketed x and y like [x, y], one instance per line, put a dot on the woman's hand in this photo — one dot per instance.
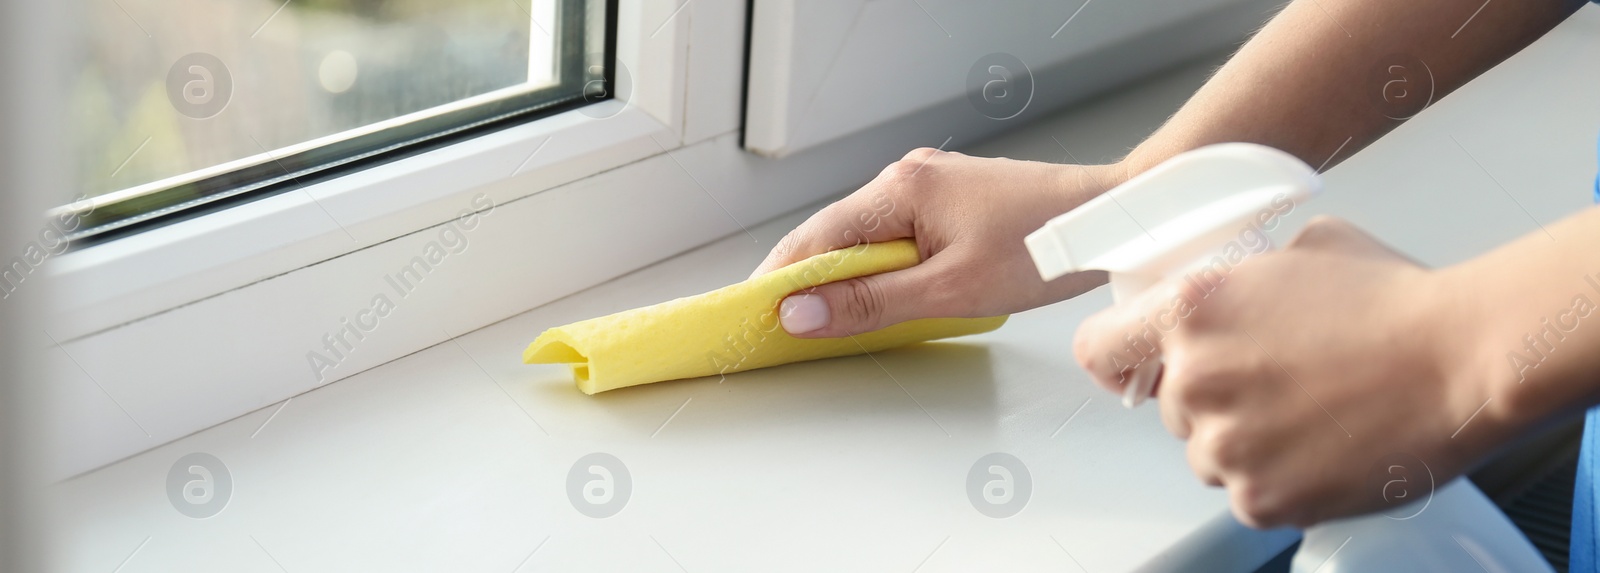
[968, 215]
[1293, 375]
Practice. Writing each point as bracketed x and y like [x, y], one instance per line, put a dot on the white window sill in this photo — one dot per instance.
[462, 452]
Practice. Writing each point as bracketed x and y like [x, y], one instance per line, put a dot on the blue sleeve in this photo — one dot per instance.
[1584, 551]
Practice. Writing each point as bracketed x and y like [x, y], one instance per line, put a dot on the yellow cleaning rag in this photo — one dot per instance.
[734, 328]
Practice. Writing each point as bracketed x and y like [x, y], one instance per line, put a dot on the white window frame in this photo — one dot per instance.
[145, 274]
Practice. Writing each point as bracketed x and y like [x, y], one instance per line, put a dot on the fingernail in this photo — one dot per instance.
[803, 313]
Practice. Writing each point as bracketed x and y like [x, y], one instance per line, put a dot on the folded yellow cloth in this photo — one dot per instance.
[734, 328]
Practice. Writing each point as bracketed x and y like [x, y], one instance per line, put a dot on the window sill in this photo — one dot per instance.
[463, 433]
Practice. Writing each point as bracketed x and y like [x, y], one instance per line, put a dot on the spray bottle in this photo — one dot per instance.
[1177, 217]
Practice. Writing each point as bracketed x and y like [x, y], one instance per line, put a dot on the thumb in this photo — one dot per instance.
[1335, 235]
[864, 304]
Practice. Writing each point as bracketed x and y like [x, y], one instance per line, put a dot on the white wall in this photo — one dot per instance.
[823, 69]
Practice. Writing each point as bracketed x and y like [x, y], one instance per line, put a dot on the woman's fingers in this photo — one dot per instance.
[873, 214]
[868, 303]
[1119, 343]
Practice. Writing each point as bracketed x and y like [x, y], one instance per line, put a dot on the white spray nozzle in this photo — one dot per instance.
[1181, 214]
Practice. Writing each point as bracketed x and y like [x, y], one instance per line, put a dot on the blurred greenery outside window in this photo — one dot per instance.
[179, 103]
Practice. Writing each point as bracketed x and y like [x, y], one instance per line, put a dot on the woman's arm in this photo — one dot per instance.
[1534, 308]
[1324, 72]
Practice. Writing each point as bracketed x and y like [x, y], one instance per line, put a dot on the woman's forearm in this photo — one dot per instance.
[1328, 76]
[1531, 313]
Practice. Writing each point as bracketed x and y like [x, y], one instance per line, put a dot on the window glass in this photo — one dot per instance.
[182, 102]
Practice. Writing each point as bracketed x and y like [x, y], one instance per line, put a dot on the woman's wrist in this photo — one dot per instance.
[1076, 184]
[1479, 350]
[1149, 153]
[1448, 330]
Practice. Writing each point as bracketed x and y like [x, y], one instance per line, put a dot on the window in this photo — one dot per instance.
[183, 108]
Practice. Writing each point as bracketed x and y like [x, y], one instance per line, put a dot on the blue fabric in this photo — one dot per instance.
[1584, 523]
[1582, 553]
